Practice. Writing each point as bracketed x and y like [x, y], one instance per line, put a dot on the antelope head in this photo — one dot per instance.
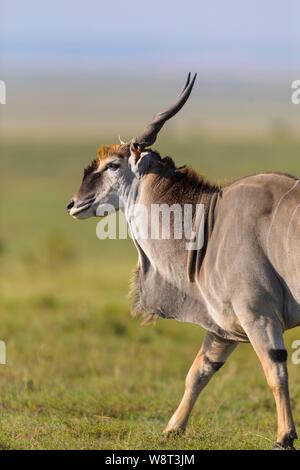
[116, 170]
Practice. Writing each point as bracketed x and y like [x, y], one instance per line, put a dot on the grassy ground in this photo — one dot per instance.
[80, 372]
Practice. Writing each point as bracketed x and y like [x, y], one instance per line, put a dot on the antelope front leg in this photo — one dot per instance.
[211, 357]
[266, 338]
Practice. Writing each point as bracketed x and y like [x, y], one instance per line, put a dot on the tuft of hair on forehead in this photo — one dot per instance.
[104, 152]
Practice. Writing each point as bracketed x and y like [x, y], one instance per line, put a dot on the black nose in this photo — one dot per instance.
[70, 205]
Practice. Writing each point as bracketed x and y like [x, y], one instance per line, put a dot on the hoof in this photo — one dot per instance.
[287, 443]
[279, 446]
[173, 432]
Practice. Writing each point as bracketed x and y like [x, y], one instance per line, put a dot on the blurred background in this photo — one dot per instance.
[80, 372]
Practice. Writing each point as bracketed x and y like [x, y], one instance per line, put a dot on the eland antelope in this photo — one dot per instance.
[241, 285]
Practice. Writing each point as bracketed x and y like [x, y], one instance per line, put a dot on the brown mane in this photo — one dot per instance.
[181, 185]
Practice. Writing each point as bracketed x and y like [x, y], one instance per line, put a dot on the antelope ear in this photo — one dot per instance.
[135, 152]
[135, 155]
[142, 161]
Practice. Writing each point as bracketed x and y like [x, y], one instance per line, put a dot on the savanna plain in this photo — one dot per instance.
[80, 372]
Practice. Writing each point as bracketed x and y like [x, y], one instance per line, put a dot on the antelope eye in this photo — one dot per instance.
[113, 165]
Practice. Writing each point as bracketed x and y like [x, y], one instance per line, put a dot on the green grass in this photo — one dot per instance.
[81, 373]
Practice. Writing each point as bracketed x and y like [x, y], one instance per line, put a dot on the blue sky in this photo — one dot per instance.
[215, 33]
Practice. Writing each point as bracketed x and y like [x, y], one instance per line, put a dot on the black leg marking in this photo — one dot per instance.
[214, 365]
[278, 355]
